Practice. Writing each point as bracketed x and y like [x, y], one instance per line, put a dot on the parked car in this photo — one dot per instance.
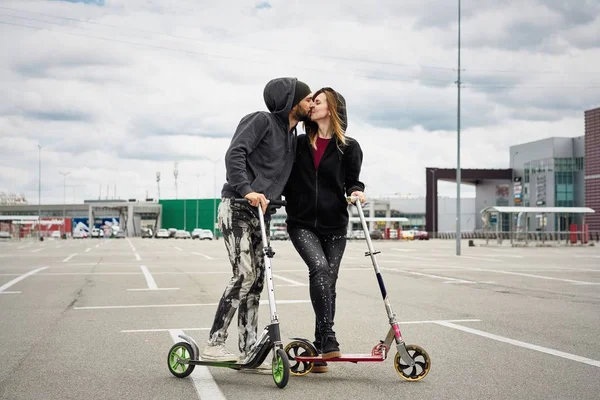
[376, 235]
[147, 233]
[202, 234]
[162, 234]
[120, 234]
[172, 232]
[357, 234]
[97, 233]
[5, 235]
[181, 234]
[80, 234]
[280, 235]
[55, 235]
[421, 235]
[407, 235]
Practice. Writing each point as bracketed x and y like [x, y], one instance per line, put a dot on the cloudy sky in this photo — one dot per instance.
[116, 90]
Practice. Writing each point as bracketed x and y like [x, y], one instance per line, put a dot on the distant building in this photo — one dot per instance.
[592, 166]
[549, 173]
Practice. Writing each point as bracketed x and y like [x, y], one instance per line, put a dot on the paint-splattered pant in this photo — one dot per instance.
[322, 255]
[242, 237]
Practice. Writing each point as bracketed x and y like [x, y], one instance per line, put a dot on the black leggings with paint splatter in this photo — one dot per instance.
[323, 255]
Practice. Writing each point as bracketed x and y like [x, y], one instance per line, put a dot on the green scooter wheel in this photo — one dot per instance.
[181, 351]
[281, 368]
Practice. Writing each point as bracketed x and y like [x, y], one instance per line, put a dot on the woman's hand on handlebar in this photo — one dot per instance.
[256, 199]
[361, 196]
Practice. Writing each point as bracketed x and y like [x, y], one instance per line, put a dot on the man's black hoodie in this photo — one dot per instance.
[261, 154]
[316, 198]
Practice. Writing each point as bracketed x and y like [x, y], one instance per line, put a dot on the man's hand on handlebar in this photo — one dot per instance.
[256, 199]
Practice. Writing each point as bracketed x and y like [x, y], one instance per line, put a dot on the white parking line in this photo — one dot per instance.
[445, 278]
[205, 385]
[482, 258]
[20, 278]
[177, 248]
[36, 250]
[162, 330]
[407, 250]
[293, 282]
[68, 258]
[130, 244]
[203, 255]
[518, 343]
[549, 278]
[150, 281]
[279, 302]
[88, 249]
[137, 257]
[412, 257]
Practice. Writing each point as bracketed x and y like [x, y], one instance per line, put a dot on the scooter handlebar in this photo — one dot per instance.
[272, 203]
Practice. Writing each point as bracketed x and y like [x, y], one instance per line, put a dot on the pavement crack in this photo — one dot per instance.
[79, 293]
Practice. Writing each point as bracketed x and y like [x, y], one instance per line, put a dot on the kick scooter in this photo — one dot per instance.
[411, 362]
[184, 356]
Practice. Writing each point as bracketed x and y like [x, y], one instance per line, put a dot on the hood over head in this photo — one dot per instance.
[279, 96]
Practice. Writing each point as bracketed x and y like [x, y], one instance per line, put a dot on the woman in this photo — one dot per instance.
[326, 170]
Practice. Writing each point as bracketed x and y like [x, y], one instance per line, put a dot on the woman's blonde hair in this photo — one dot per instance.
[312, 129]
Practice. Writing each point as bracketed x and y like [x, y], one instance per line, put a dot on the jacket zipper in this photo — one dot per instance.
[316, 197]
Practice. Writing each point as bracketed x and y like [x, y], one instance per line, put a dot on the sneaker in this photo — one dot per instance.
[331, 348]
[319, 367]
[217, 352]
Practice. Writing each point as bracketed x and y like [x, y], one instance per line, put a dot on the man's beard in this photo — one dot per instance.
[301, 116]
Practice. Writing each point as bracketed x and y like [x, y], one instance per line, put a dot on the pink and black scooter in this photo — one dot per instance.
[411, 361]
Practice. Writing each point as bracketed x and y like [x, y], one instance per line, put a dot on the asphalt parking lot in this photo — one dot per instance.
[95, 318]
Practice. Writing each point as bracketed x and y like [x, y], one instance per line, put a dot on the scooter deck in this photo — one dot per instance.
[343, 358]
[231, 364]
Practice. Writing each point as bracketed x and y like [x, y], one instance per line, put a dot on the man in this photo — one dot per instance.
[259, 161]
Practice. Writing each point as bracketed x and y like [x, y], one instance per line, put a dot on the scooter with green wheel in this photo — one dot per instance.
[184, 356]
[411, 362]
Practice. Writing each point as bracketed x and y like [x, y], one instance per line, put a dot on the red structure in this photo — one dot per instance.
[592, 167]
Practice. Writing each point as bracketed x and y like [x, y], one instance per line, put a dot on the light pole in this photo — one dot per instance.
[512, 190]
[158, 186]
[458, 174]
[197, 196]
[64, 174]
[39, 192]
[434, 193]
[512, 176]
[214, 222]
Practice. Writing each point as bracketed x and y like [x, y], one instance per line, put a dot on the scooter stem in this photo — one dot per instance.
[268, 270]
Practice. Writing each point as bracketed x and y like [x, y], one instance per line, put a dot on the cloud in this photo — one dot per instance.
[263, 5]
[118, 92]
[93, 2]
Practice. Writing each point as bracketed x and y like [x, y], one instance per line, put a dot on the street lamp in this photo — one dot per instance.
[458, 174]
[512, 176]
[40, 192]
[434, 193]
[197, 196]
[64, 174]
[214, 222]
